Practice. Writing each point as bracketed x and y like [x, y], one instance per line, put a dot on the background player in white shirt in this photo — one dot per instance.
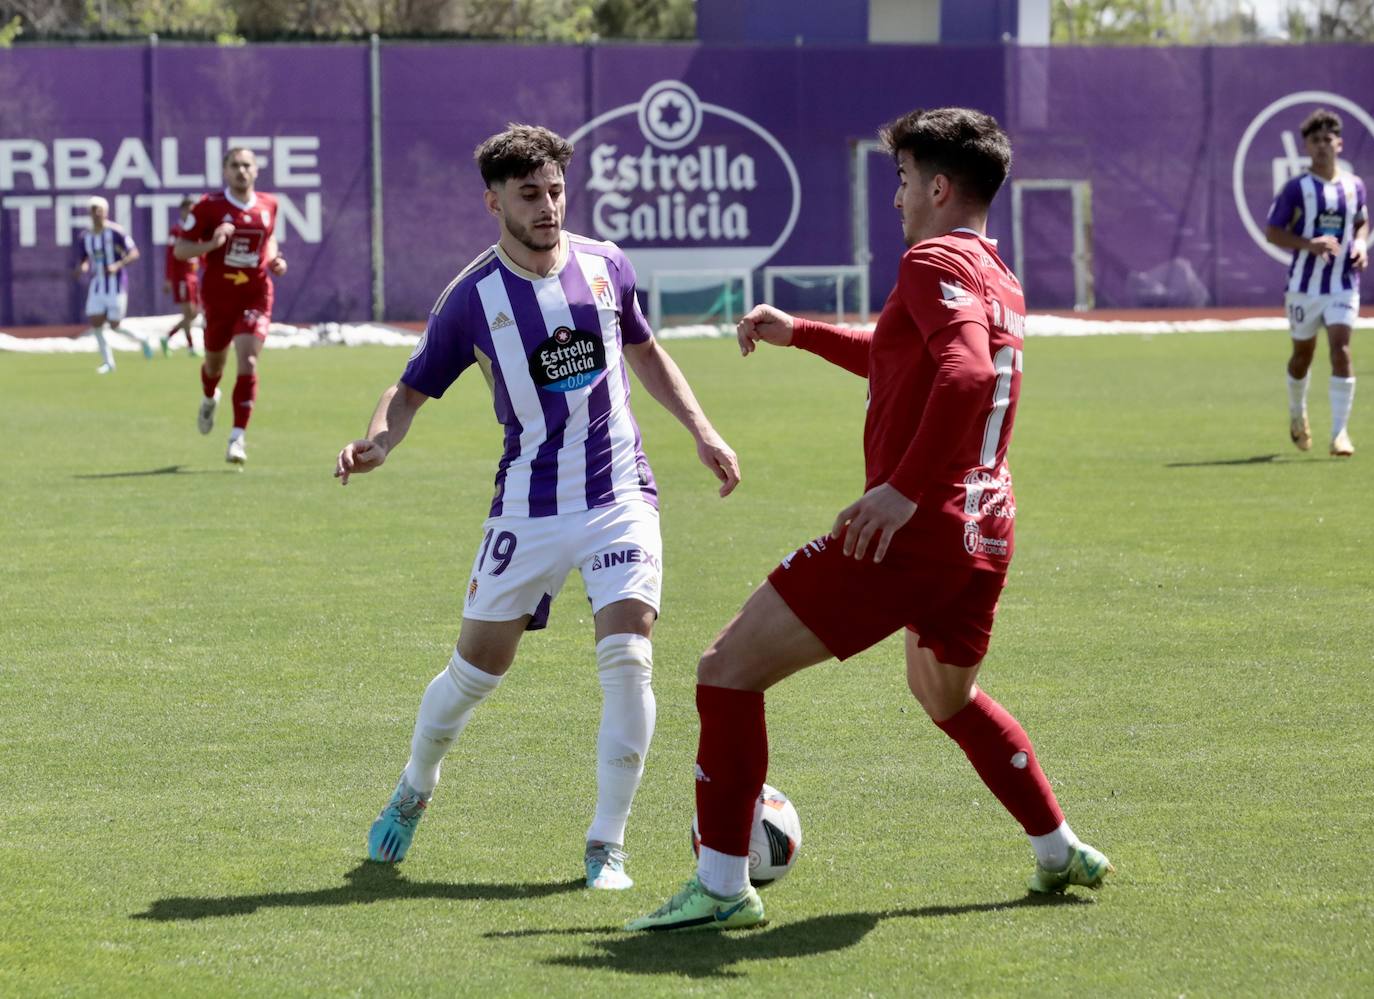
[105, 250]
[1323, 217]
[550, 318]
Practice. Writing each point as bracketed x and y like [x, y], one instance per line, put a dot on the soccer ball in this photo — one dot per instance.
[774, 840]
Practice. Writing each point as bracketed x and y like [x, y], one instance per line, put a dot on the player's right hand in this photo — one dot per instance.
[222, 233]
[1324, 246]
[358, 457]
[763, 322]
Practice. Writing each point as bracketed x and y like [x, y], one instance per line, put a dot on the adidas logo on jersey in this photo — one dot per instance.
[501, 322]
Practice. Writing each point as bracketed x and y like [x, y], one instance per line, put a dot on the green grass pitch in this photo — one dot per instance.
[208, 678]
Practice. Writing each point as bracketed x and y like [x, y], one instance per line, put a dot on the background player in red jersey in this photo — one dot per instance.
[181, 280]
[927, 546]
[233, 230]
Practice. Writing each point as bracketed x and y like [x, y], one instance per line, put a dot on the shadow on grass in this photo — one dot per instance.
[368, 882]
[167, 470]
[1259, 459]
[710, 955]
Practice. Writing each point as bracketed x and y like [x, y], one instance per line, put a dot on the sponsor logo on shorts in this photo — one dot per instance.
[624, 556]
[472, 589]
[811, 549]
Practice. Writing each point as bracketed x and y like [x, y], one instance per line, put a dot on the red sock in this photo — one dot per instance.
[732, 761]
[209, 382]
[245, 391]
[174, 331]
[1001, 752]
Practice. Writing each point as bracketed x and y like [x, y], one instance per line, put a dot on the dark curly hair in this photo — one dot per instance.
[519, 151]
[965, 145]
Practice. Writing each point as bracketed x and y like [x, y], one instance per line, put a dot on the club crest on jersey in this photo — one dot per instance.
[601, 288]
[568, 360]
[954, 295]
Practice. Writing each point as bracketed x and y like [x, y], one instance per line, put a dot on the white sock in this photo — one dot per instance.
[1052, 849]
[625, 666]
[106, 354]
[445, 709]
[722, 875]
[235, 433]
[1297, 394]
[1342, 400]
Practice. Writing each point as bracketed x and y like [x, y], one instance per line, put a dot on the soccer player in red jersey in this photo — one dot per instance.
[925, 549]
[181, 280]
[233, 230]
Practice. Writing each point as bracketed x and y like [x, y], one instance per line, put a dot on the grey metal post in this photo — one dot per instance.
[378, 265]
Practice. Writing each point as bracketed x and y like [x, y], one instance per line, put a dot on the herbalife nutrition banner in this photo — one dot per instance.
[689, 157]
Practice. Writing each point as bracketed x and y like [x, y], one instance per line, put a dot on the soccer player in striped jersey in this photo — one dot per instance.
[104, 251]
[1323, 217]
[552, 322]
[926, 548]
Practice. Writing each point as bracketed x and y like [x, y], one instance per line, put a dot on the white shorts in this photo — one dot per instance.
[1308, 313]
[110, 304]
[522, 562]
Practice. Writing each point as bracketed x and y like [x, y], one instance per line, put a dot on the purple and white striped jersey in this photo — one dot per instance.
[1311, 207]
[105, 247]
[550, 348]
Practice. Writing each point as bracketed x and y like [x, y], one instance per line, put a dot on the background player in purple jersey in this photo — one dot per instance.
[551, 318]
[105, 250]
[1323, 217]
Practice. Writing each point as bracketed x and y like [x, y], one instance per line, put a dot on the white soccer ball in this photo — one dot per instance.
[774, 840]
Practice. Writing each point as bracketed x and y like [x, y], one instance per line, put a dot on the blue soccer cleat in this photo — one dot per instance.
[605, 863]
[390, 836]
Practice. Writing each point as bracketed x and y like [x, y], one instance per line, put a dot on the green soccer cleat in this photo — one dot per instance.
[694, 908]
[390, 835]
[605, 863]
[1087, 867]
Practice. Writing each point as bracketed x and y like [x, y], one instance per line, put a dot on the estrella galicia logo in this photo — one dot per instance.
[568, 360]
[1270, 153]
[683, 183]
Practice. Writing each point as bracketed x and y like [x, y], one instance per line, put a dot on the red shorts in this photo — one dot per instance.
[186, 289]
[851, 605]
[223, 324]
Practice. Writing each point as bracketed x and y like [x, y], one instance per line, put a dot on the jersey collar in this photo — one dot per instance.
[974, 232]
[243, 205]
[528, 275]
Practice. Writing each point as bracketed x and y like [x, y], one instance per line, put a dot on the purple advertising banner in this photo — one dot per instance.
[1142, 177]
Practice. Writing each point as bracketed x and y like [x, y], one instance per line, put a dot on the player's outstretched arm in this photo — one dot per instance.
[390, 424]
[664, 380]
[763, 322]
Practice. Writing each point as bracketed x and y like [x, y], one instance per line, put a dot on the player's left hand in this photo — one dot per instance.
[720, 458]
[277, 265]
[1359, 254]
[879, 513]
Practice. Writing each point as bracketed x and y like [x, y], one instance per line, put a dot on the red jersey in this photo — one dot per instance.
[944, 375]
[236, 273]
[176, 270]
